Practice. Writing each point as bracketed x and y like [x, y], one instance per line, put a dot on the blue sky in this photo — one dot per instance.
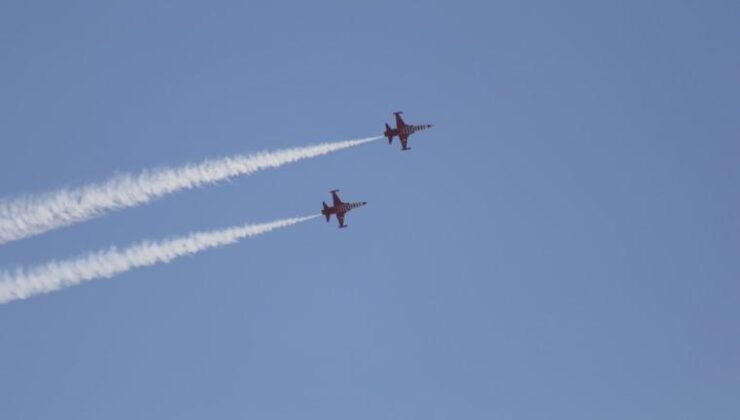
[562, 244]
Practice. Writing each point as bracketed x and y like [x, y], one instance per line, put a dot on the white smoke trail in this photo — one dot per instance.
[34, 214]
[23, 283]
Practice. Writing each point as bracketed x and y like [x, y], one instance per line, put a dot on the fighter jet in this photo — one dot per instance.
[402, 130]
[339, 208]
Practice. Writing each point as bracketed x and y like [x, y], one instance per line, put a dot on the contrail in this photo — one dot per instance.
[34, 214]
[23, 283]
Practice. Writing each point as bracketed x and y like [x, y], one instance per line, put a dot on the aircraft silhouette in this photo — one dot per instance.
[402, 130]
[339, 208]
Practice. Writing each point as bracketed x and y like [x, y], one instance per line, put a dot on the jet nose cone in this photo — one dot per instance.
[364, 202]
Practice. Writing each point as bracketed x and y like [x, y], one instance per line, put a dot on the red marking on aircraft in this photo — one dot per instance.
[402, 130]
[339, 208]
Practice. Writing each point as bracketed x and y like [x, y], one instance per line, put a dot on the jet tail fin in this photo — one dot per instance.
[388, 133]
[325, 212]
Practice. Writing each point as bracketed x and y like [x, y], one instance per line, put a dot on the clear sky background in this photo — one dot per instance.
[562, 244]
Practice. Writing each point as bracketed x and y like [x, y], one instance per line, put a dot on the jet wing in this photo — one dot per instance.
[340, 218]
[399, 121]
[335, 197]
[404, 140]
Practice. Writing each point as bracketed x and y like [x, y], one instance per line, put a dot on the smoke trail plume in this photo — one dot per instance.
[31, 215]
[23, 283]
